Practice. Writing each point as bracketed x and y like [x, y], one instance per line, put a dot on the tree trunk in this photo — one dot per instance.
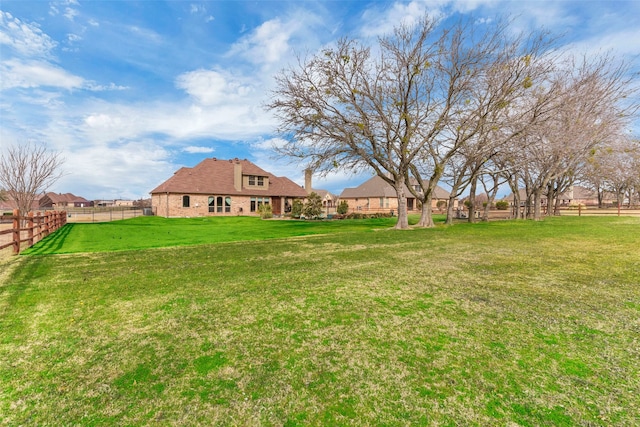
[450, 210]
[537, 203]
[403, 216]
[426, 215]
[472, 200]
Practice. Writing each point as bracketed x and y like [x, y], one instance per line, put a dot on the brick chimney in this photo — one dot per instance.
[307, 180]
[237, 175]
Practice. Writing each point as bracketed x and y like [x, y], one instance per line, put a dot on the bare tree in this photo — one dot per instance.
[614, 167]
[497, 70]
[27, 171]
[586, 113]
[349, 108]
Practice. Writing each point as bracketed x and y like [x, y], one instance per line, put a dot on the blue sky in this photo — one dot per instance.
[130, 91]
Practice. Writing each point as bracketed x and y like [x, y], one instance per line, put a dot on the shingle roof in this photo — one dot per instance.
[216, 176]
[59, 198]
[378, 187]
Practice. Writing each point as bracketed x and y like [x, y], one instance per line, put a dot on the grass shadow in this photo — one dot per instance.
[53, 242]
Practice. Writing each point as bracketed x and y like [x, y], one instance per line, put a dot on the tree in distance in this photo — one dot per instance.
[27, 171]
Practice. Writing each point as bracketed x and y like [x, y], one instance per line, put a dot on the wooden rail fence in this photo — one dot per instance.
[35, 226]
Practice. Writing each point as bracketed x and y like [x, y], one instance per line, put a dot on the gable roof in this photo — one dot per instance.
[59, 198]
[378, 187]
[216, 176]
[10, 203]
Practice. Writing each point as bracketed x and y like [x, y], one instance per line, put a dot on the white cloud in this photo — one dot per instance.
[98, 88]
[102, 121]
[625, 42]
[192, 149]
[382, 20]
[379, 22]
[73, 38]
[70, 13]
[27, 39]
[268, 144]
[268, 43]
[126, 170]
[210, 87]
[30, 74]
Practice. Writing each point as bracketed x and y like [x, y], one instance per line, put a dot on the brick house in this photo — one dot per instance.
[223, 187]
[60, 201]
[377, 195]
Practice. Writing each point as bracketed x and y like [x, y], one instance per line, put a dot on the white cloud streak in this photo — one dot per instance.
[27, 39]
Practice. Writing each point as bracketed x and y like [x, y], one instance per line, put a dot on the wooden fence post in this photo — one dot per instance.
[30, 229]
[16, 231]
[39, 220]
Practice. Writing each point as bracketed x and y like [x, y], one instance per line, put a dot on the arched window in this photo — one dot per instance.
[211, 204]
[186, 201]
[219, 204]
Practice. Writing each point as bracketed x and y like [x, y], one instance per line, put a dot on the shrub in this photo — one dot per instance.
[313, 207]
[359, 215]
[343, 207]
[296, 208]
[502, 205]
[265, 211]
[441, 205]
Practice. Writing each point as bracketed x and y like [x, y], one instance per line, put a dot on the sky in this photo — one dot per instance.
[130, 91]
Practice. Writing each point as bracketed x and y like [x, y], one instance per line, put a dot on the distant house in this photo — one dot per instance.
[223, 187]
[61, 201]
[575, 195]
[329, 200]
[9, 204]
[114, 202]
[377, 195]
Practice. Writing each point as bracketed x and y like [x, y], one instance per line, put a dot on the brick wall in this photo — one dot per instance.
[171, 206]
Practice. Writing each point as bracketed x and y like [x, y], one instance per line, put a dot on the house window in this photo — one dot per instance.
[382, 202]
[219, 204]
[256, 180]
[256, 202]
[186, 201]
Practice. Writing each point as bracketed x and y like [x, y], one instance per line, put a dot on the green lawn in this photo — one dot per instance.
[156, 232]
[503, 323]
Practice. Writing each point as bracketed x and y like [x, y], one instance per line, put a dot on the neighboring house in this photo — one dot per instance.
[116, 202]
[61, 201]
[377, 195]
[575, 195]
[9, 205]
[223, 187]
[329, 200]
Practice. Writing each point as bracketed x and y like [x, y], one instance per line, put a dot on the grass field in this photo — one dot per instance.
[505, 323]
[155, 232]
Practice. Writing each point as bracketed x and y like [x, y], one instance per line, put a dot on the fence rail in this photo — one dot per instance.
[594, 211]
[36, 226]
[106, 214]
